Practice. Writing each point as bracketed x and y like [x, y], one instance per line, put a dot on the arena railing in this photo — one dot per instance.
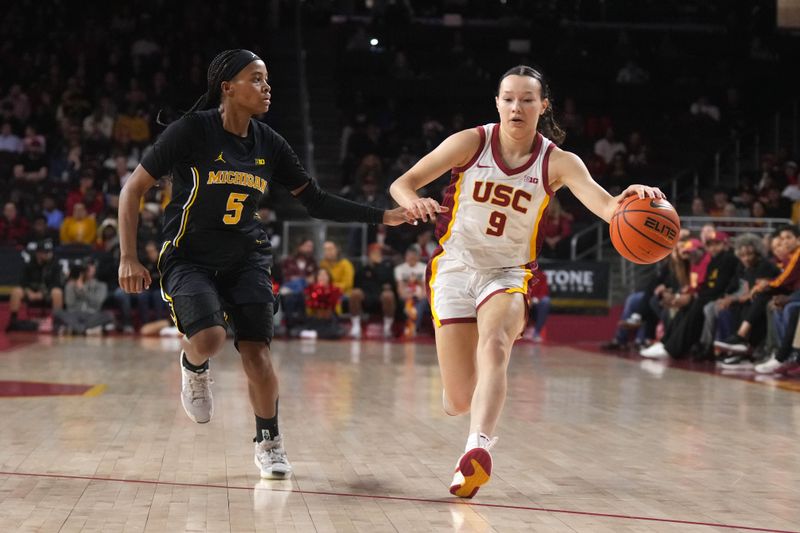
[631, 273]
[596, 248]
[735, 225]
[348, 235]
[744, 152]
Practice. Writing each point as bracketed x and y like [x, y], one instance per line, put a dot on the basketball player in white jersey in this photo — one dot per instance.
[479, 279]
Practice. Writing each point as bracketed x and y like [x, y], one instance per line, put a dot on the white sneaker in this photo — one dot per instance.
[309, 334]
[769, 366]
[656, 350]
[355, 330]
[271, 459]
[196, 397]
[93, 332]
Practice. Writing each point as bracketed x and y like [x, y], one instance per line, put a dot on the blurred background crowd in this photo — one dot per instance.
[646, 91]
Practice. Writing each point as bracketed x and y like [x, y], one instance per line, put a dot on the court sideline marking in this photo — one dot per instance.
[401, 498]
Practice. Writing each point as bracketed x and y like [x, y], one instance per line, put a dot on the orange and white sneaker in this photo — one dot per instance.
[474, 469]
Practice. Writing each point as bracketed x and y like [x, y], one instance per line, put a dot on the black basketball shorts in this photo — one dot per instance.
[201, 297]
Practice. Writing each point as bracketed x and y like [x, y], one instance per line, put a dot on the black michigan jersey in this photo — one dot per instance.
[218, 179]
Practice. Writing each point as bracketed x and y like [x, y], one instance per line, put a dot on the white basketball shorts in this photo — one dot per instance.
[456, 291]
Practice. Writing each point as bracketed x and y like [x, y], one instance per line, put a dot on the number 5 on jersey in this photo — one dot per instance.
[234, 208]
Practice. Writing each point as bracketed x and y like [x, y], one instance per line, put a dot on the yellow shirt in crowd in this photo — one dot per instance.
[74, 231]
[342, 272]
[137, 127]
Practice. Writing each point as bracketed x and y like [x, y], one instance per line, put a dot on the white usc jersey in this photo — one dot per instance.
[495, 211]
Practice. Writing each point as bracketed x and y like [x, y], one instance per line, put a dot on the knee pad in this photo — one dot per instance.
[252, 322]
[195, 313]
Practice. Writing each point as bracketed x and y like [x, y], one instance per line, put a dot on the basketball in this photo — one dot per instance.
[644, 230]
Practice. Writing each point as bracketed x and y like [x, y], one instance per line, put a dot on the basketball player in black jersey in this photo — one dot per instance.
[215, 261]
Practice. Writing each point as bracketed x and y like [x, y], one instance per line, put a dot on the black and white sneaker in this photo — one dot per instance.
[769, 365]
[736, 362]
[733, 344]
[270, 458]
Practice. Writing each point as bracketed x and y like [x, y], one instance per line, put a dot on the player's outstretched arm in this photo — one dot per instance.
[323, 205]
[454, 151]
[567, 170]
[133, 276]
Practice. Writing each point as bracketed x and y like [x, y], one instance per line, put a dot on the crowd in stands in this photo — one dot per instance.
[75, 119]
[736, 301]
[314, 294]
[76, 115]
[652, 108]
[773, 192]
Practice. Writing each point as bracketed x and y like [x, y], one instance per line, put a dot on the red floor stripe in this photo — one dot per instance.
[15, 340]
[453, 501]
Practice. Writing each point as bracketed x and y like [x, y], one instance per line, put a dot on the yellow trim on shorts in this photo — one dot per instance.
[188, 205]
[535, 234]
[445, 237]
[164, 296]
[524, 288]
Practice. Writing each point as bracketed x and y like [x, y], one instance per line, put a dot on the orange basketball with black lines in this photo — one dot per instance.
[644, 230]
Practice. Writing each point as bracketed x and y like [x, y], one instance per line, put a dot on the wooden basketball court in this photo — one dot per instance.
[94, 439]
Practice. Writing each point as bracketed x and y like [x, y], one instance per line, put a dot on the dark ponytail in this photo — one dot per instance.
[547, 125]
[224, 67]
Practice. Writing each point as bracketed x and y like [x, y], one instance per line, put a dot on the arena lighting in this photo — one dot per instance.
[373, 42]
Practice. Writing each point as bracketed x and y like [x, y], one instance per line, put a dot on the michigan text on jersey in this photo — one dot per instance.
[231, 177]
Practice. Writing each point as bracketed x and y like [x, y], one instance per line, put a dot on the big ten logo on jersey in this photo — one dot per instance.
[501, 195]
[660, 227]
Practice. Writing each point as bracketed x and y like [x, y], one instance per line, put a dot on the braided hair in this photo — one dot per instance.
[547, 123]
[224, 67]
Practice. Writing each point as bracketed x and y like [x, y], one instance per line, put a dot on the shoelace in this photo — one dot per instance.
[490, 442]
[198, 386]
[484, 441]
[277, 455]
[275, 451]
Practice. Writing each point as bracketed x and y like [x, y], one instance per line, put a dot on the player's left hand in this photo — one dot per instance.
[642, 191]
[397, 216]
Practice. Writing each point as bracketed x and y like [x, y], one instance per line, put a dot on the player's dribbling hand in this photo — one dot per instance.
[133, 276]
[642, 191]
[425, 209]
